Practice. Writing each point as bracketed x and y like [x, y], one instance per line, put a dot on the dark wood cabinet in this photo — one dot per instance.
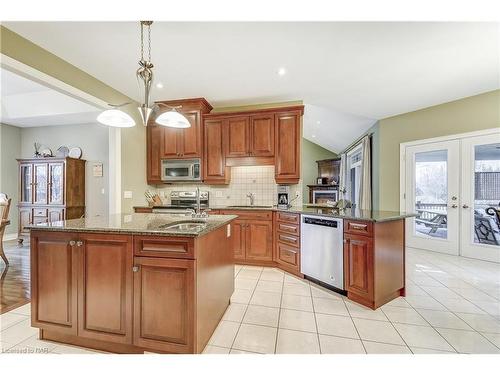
[105, 287]
[374, 257]
[54, 283]
[51, 189]
[171, 143]
[287, 147]
[262, 135]
[164, 304]
[236, 136]
[252, 236]
[358, 260]
[259, 240]
[214, 167]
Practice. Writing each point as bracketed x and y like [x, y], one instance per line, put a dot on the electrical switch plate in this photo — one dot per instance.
[127, 194]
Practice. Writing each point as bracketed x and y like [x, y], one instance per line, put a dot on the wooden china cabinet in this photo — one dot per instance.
[51, 189]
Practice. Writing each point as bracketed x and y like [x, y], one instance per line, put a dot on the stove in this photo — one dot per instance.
[182, 202]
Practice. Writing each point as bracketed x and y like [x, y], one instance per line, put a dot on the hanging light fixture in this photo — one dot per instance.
[118, 118]
[115, 117]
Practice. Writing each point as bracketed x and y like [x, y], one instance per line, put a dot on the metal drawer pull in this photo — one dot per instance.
[288, 226]
[291, 239]
[72, 243]
[358, 226]
[79, 243]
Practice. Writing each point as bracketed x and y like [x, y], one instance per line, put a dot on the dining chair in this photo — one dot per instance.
[4, 221]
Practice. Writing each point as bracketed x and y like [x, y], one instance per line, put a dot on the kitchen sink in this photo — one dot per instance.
[186, 226]
[249, 206]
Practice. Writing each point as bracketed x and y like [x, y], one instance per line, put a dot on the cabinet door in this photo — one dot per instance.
[56, 183]
[358, 265]
[40, 173]
[25, 218]
[238, 238]
[287, 147]
[164, 304]
[262, 135]
[259, 240]
[55, 214]
[54, 264]
[191, 137]
[236, 134]
[26, 183]
[154, 153]
[105, 287]
[171, 142]
[214, 170]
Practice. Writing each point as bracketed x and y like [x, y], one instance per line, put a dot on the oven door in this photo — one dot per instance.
[322, 196]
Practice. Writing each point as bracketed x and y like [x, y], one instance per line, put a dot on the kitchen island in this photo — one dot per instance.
[132, 283]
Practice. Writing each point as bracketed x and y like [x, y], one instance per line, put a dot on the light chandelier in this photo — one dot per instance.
[117, 118]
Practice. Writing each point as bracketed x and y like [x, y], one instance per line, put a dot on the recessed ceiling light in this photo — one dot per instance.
[281, 71]
[318, 122]
[159, 85]
[313, 136]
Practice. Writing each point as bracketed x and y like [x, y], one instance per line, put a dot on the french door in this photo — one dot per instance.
[454, 188]
[432, 192]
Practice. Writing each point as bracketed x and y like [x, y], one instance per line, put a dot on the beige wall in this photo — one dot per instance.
[10, 149]
[460, 116]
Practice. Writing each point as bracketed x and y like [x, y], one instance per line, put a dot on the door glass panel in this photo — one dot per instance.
[26, 183]
[431, 194]
[56, 180]
[41, 184]
[487, 194]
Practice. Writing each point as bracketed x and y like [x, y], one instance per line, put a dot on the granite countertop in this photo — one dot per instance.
[349, 213]
[144, 224]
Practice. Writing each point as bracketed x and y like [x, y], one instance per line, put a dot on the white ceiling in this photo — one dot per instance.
[348, 74]
[26, 103]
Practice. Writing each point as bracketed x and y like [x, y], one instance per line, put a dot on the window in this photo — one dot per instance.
[354, 165]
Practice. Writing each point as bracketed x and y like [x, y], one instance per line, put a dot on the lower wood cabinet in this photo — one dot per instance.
[358, 265]
[105, 287]
[164, 304]
[287, 241]
[238, 229]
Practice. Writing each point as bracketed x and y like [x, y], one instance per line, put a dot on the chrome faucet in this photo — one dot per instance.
[197, 211]
[252, 198]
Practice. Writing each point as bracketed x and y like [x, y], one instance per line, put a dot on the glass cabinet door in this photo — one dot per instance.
[40, 183]
[26, 183]
[56, 183]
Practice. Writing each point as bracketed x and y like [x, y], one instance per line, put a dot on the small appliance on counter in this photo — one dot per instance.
[283, 196]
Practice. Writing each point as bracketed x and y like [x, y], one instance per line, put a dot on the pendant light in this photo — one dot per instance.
[118, 118]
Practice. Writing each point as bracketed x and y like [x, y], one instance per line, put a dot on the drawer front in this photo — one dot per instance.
[249, 214]
[288, 239]
[286, 217]
[358, 227]
[164, 247]
[41, 212]
[288, 228]
[288, 254]
[39, 220]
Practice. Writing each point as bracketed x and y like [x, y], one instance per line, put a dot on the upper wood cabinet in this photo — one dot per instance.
[249, 135]
[170, 143]
[214, 159]
[287, 147]
[262, 135]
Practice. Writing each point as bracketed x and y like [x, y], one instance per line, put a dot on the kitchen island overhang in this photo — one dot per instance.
[128, 284]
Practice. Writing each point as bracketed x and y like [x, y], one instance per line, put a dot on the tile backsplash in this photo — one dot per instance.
[249, 179]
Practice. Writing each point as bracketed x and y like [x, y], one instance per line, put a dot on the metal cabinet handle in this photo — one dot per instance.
[291, 239]
[358, 226]
[454, 206]
[135, 269]
[465, 206]
[79, 243]
[454, 198]
[72, 243]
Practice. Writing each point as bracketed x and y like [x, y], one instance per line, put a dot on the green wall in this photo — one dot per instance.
[10, 149]
[465, 115]
[310, 153]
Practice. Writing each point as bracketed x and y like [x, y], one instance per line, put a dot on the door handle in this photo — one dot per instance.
[454, 205]
[465, 206]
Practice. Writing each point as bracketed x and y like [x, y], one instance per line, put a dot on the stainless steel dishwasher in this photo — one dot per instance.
[321, 250]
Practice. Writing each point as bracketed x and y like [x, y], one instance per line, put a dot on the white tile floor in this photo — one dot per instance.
[452, 306]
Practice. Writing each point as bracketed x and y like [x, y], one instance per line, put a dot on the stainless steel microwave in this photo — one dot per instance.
[181, 170]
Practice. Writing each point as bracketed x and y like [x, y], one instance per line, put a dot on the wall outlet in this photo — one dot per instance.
[127, 194]
[127, 218]
[103, 191]
[218, 194]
